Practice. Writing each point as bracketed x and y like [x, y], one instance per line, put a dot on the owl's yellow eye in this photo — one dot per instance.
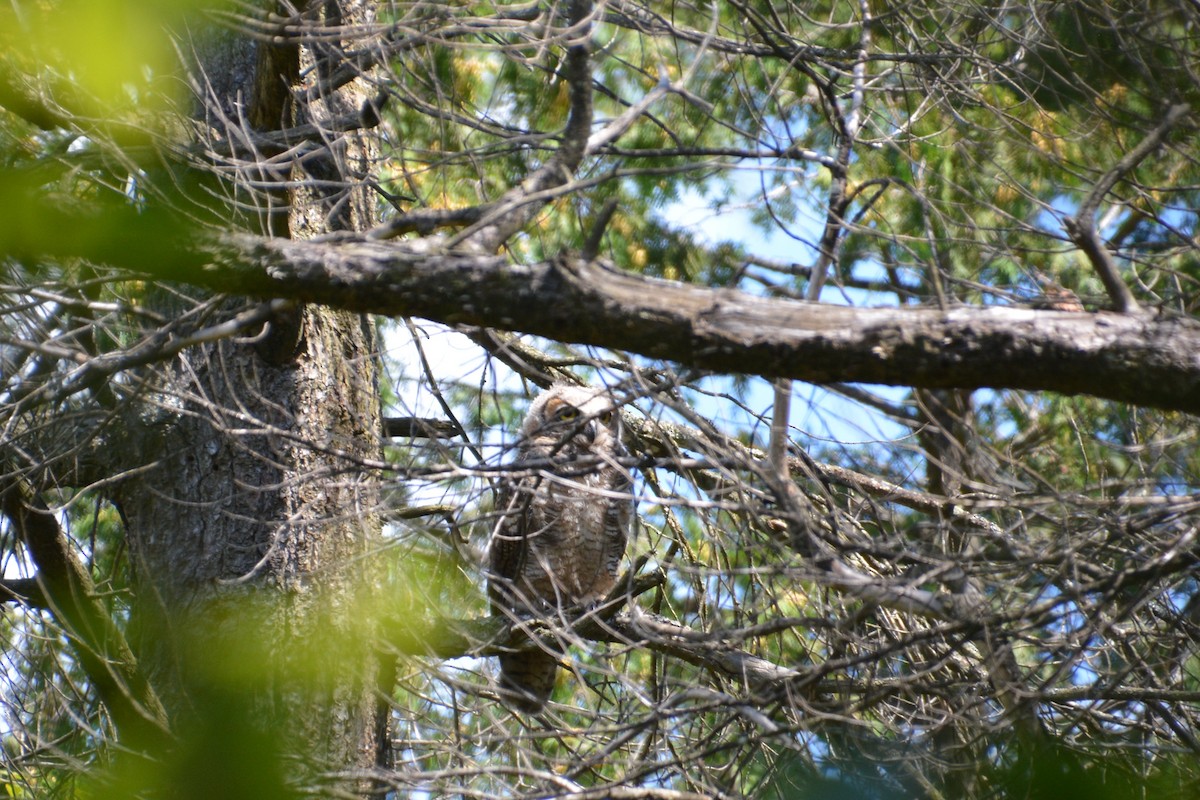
[568, 413]
[606, 417]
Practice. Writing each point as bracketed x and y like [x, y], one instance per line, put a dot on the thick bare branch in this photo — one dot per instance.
[26, 591]
[420, 427]
[1143, 359]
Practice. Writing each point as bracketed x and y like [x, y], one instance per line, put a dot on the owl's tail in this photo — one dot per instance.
[527, 679]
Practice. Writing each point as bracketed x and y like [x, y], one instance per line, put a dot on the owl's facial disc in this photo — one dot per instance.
[577, 424]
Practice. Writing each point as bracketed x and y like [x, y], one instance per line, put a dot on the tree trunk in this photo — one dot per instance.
[251, 534]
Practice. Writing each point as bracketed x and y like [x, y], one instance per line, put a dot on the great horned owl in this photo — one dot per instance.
[562, 524]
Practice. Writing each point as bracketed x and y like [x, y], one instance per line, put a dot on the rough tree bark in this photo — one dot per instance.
[249, 533]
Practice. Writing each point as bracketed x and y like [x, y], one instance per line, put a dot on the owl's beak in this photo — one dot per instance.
[588, 434]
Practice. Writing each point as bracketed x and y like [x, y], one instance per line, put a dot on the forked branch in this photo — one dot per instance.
[1082, 227]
